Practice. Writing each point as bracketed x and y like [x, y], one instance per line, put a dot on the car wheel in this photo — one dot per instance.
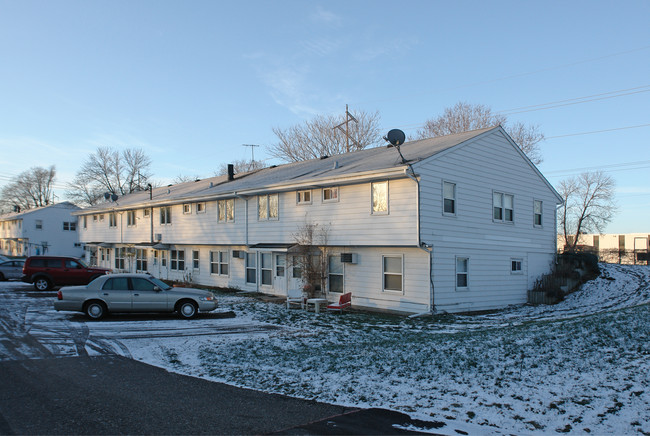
[42, 284]
[95, 310]
[187, 309]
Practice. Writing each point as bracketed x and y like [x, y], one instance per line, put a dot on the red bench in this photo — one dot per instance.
[345, 301]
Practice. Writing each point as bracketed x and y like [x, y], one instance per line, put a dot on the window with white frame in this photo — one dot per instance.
[379, 194]
[163, 258]
[537, 213]
[449, 198]
[266, 269]
[112, 219]
[303, 197]
[69, 226]
[187, 208]
[120, 256]
[140, 259]
[146, 212]
[515, 266]
[85, 221]
[251, 267]
[462, 273]
[165, 215]
[196, 261]
[226, 210]
[267, 207]
[280, 265]
[200, 207]
[130, 218]
[503, 207]
[392, 269]
[219, 263]
[335, 273]
[39, 224]
[94, 217]
[177, 260]
[330, 194]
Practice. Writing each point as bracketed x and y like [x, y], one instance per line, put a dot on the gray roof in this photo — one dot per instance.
[332, 171]
[22, 213]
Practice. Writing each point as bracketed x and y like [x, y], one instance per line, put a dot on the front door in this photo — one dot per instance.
[294, 275]
[280, 274]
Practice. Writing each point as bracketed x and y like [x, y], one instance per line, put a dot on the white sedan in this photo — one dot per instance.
[117, 293]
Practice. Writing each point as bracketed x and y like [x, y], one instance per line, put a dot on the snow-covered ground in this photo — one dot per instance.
[580, 366]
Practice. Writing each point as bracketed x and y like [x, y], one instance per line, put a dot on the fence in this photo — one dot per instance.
[623, 257]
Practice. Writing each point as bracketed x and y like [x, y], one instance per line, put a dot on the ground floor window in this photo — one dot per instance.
[177, 260]
[266, 268]
[219, 263]
[515, 266]
[140, 259]
[462, 273]
[280, 261]
[335, 273]
[163, 259]
[393, 273]
[195, 259]
[251, 268]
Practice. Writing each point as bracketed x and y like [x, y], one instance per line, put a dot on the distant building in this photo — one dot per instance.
[456, 223]
[629, 248]
[43, 230]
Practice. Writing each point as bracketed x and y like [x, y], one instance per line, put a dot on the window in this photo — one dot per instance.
[116, 284]
[267, 207]
[219, 263]
[94, 217]
[449, 198]
[266, 268]
[503, 207]
[330, 194]
[392, 270]
[85, 221]
[195, 259]
[280, 261]
[251, 275]
[146, 212]
[187, 208]
[296, 271]
[515, 266]
[139, 284]
[537, 213]
[130, 218]
[120, 255]
[462, 273]
[140, 259]
[112, 219]
[69, 226]
[163, 259]
[39, 224]
[166, 215]
[335, 273]
[101, 217]
[379, 192]
[304, 197]
[200, 207]
[226, 210]
[177, 260]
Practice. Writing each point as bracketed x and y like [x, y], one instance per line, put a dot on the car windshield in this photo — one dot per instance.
[82, 263]
[162, 285]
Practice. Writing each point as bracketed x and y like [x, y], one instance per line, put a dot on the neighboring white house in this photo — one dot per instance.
[48, 230]
[628, 248]
[465, 223]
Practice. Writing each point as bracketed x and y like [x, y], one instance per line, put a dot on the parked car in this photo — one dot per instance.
[11, 269]
[48, 271]
[3, 258]
[126, 292]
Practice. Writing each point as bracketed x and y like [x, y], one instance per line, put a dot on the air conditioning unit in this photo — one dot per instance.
[158, 237]
[238, 254]
[349, 258]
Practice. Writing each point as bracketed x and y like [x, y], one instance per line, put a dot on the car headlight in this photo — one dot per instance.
[208, 298]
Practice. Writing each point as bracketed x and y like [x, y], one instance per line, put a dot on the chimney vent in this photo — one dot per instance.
[231, 172]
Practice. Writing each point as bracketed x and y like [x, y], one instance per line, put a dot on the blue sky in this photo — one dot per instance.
[190, 82]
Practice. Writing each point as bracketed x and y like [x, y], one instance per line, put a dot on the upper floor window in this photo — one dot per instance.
[69, 226]
[166, 215]
[537, 213]
[304, 197]
[503, 207]
[146, 212]
[330, 194]
[379, 193]
[449, 198]
[101, 217]
[94, 217]
[267, 207]
[112, 219]
[200, 207]
[39, 224]
[187, 208]
[85, 221]
[226, 210]
[130, 218]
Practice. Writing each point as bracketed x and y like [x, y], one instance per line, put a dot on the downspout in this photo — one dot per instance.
[423, 246]
[151, 209]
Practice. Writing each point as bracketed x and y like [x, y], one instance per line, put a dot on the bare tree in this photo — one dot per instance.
[588, 205]
[109, 170]
[311, 256]
[319, 137]
[463, 117]
[31, 188]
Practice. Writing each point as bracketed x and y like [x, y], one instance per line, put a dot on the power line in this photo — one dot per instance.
[597, 131]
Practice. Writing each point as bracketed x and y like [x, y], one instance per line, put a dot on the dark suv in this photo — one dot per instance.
[48, 271]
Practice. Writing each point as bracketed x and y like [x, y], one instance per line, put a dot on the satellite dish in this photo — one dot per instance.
[107, 195]
[395, 137]
[114, 197]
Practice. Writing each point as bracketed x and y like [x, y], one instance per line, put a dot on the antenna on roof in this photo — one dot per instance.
[348, 117]
[396, 138]
[252, 146]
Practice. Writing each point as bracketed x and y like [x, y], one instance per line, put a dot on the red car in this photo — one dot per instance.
[46, 272]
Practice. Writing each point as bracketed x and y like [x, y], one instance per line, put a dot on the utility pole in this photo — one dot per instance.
[348, 117]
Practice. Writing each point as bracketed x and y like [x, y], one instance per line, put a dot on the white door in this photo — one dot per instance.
[294, 275]
[280, 274]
